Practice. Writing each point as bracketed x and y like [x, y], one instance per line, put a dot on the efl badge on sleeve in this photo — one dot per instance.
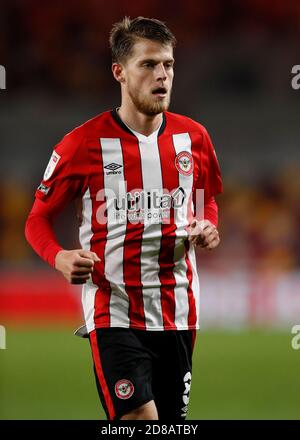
[43, 188]
[184, 163]
[54, 159]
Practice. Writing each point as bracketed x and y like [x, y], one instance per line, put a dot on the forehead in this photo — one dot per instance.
[148, 49]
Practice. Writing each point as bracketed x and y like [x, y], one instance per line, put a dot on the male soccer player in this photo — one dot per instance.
[136, 170]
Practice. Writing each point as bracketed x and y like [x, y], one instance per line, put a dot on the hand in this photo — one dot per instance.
[76, 265]
[204, 234]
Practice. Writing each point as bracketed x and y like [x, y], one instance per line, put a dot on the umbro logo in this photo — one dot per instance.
[113, 167]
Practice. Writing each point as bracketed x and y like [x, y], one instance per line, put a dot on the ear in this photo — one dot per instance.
[118, 72]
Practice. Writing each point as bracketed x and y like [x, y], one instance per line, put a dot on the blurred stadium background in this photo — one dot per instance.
[233, 74]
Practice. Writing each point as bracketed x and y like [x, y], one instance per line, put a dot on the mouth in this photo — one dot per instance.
[161, 92]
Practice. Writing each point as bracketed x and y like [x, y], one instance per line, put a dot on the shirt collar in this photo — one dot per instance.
[125, 127]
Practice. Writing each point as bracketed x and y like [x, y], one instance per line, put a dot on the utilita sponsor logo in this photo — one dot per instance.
[139, 205]
[147, 200]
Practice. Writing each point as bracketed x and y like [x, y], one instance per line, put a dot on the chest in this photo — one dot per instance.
[158, 164]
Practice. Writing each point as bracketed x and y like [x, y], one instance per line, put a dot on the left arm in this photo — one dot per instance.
[204, 233]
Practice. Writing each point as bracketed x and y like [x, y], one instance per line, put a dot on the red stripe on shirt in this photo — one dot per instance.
[196, 142]
[133, 237]
[170, 182]
[103, 294]
[192, 318]
[197, 197]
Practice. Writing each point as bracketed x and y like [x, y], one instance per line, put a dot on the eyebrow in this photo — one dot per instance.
[151, 60]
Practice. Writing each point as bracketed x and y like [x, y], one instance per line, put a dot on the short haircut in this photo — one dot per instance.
[125, 33]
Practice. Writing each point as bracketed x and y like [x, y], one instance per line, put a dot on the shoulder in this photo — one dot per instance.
[178, 123]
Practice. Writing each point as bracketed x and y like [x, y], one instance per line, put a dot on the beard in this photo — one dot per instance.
[149, 105]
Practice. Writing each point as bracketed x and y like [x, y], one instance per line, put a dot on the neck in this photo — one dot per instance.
[138, 121]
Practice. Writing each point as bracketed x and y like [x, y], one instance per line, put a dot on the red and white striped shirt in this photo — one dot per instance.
[138, 196]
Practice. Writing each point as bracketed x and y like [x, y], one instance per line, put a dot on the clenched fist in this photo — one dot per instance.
[76, 265]
[204, 233]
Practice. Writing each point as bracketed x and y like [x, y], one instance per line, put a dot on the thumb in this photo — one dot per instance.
[95, 257]
[89, 254]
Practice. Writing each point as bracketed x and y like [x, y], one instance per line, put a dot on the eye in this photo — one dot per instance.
[148, 65]
[169, 65]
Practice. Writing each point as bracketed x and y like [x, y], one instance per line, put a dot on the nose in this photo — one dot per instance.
[161, 72]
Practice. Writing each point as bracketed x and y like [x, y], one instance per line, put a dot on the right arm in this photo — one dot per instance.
[64, 179]
[76, 265]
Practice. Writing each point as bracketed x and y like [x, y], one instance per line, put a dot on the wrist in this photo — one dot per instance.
[55, 258]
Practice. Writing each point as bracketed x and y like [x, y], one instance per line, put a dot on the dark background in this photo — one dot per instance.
[232, 74]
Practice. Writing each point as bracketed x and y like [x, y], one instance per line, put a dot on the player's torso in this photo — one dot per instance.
[136, 210]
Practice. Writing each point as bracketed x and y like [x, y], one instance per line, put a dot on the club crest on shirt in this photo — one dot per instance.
[184, 163]
[54, 159]
[124, 389]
